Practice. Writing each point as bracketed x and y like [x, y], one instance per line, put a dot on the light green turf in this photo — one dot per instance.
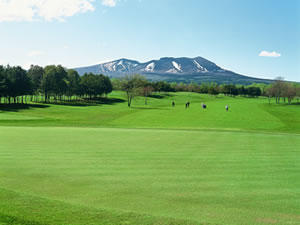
[88, 165]
[245, 114]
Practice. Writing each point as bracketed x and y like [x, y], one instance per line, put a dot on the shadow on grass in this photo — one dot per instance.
[88, 102]
[148, 108]
[295, 103]
[17, 107]
[285, 104]
[83, 103]
[161, 95]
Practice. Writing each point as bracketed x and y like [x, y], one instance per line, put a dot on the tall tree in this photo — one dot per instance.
[270, 92]
[54, 82]
[3, 83]
[73, 83]
[146, 91]
[60, 79]
[108, 87]
[89, 84]
[290, 92]
[278, 88]
[35, 73]
[19, 83]
[132, 85]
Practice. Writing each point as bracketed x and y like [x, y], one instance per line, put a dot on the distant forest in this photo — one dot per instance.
[56, 83]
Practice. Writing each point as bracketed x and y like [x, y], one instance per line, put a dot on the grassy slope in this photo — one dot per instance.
[245, 114]
[23, 209]
[145, 176]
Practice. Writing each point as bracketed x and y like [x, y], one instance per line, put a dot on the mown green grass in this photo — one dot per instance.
[251, 114]
[107, 164]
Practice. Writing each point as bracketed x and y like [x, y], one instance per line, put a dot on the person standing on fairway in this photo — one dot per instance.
[226, 107]
[187, 105]
[173, 104]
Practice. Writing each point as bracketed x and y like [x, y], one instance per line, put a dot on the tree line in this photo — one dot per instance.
[204, 88]
[281, 89]
[49, 84]
[216, 89]
[56, 83]
[137, 85]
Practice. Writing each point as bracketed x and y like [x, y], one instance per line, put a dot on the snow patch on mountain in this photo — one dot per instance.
[177, 66]
[200, 68]
[150, 67]
[110, 66]
[121, 64]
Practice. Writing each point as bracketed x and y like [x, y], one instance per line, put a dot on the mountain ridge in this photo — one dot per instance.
[171, 69]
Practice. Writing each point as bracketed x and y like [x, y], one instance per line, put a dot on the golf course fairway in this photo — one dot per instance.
[154, 164]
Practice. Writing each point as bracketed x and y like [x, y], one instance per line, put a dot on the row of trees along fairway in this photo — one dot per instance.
[285, 90]
[56, 83]
[137, 85]
[51, 83]
[215, 89]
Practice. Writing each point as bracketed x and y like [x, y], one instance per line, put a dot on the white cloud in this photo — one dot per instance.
[109, 3]
[35, 53]
[269, 54]
[29, 10]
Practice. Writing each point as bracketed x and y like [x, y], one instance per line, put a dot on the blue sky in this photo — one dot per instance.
[231, 33]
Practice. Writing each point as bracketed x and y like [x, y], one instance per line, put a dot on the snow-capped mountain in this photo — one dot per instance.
[178, 66]
[121, 65]
[164, 65]
[171, 69]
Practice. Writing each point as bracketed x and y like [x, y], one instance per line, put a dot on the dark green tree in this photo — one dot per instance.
[132, 85]
[35, 73]
[19, 83]
[73, 83]
[54, 82]
[3, 83]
